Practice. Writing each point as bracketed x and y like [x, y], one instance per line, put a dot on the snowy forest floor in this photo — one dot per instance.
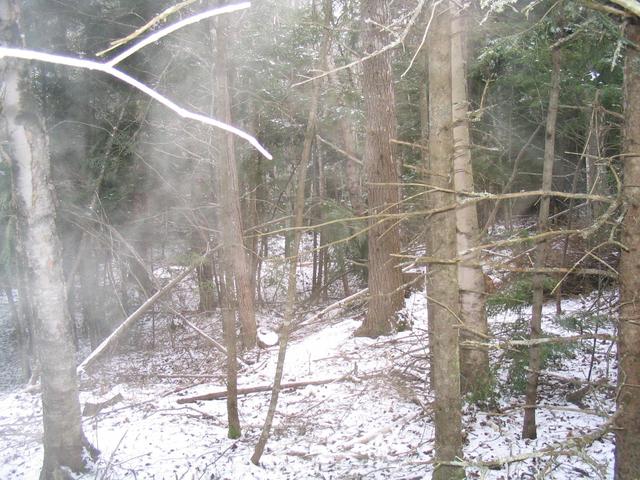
[373, 422]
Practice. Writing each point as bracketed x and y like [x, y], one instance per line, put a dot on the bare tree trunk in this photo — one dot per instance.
[535, 357]
[29, 150]
[298, 222]
[229, 197]
[254, 203]
[385, 277]
[627, 465]
[474, 362]
[318, 237]
[442, 279]
[229, 333]
[423, 107]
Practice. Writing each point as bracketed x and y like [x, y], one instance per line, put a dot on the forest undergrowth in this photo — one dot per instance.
[370, 416]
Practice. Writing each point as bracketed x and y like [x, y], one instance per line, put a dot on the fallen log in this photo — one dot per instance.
[261, 388]
[333, 306]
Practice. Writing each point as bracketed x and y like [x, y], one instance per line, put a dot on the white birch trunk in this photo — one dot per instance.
[442, 279]
[29, 151]
[474, 362]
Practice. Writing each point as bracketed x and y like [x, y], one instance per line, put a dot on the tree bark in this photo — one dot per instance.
[627, 463]
[29, 151]
[230, 340]
[254, 204]
[385, 277]
[230, 217]
[474, 362]
[535, 356]
[442, 279]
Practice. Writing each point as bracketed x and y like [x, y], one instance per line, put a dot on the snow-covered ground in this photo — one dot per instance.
[372, 422]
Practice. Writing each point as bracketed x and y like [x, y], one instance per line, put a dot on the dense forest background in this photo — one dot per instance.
[486, 153]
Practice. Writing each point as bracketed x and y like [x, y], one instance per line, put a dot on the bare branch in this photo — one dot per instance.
[147, 26]
[176, 26]
[414, 16]
[504, 344]
[339, 150]
[600, 7]
[109, 69]
[118, 332]
[632, 5]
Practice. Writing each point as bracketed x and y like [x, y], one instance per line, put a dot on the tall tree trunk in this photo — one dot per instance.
[442, 279]
[230, 341]
[231, 227]
[316, 218]
[255, 202]
[627, 465]
[535, 357]
[385, 277]
[297, 224]
[474, 362]
[29, 152]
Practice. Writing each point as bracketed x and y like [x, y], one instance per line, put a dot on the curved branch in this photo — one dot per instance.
[173, 27]
[120, 75]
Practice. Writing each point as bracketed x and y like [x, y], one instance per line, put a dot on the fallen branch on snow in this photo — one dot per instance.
[118, 332]
[333, 306]
[207, 337]
[263, 388]
[504, 344]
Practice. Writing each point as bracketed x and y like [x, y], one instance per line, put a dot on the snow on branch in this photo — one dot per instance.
[109, 69]
[632, 5]
[176, 26]
[147, 26]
